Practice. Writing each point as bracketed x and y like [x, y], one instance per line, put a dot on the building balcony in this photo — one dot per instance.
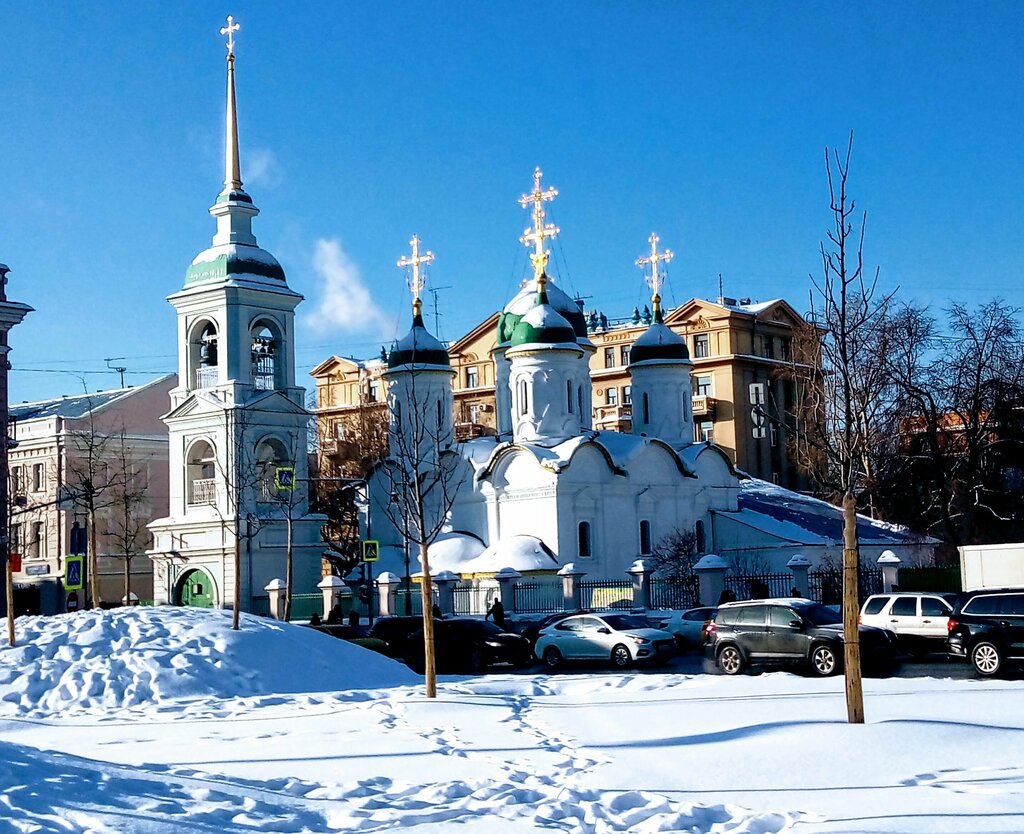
[612, 417]
[703, 406]
[202, 491]
[206, 377]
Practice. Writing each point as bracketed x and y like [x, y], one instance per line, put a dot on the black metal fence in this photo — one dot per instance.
[675, 592]
[827, 584]
[606, 593]
[538, 597]
[759, 585]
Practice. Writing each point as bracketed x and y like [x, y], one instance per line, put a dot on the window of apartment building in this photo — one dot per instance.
[705, 431]
[645, 537]
[472, 376]
[584, 540]
[787, 348]
[703, 385]
[611, 395]
[768, 347]
[627, 395]
[38, 477]
[773, 432]
[16, 538]
[701, 346]
[624, 354]
[609, 357]
[37, 544]
[373, 393]
[17, 480]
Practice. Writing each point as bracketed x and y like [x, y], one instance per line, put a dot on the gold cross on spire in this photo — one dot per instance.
[535, 237]
[418, 280]
[654, 279]
[230, 30]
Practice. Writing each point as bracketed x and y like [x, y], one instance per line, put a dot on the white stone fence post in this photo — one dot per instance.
[445, 582]
[507, 588]
[890, 563]
[387, 593]
[711, 570]
[799, 566]
[276, 588]
[641, 572]
[331, 587]
[571, 591]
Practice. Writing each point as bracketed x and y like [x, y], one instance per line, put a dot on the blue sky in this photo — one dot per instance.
[361, 124]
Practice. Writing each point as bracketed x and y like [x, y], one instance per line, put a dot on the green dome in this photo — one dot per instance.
[418, 347]
[225, 261]
[526, 300]
[544, 325]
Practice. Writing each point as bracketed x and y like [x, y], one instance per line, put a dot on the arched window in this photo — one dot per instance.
[205, 354]
[201, 474]
[271, 455]
[264, 350]
[698, 531]
[568, 395]
[439, 418]
[584, 543]
[398, 413]
[645, 537]
[523, 393]
[647, 410]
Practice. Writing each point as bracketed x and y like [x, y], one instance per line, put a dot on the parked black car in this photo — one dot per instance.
[987, 627]
[790, 631]
[464, 644]
[395, 631]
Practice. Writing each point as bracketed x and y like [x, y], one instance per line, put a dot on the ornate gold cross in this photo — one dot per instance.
[535, 237]
[230, 30]
[417, 281]
[656, 257]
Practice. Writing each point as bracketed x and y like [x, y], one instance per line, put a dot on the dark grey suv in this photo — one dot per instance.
[987, 627]
[790, 631]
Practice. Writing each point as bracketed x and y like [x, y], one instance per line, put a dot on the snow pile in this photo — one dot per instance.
[128, 657]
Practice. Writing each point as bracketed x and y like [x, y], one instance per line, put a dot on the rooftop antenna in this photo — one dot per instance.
[721, 289]
[116, 368]
[437, 316]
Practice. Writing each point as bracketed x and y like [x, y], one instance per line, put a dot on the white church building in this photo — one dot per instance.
[237, 425]
[548, 489]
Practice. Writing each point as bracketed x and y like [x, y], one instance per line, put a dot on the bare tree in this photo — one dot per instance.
[675, 555]
[960, 430]
[420, 474]
[836, 413]
[126, 530]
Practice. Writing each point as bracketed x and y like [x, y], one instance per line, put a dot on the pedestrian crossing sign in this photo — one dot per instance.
[371, 550]
[73, 573]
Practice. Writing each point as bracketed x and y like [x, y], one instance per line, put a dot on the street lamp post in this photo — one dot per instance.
[11, 313]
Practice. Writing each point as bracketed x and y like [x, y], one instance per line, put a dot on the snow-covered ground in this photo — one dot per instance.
[163, 720]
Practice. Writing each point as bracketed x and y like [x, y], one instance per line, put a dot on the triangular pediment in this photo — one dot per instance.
[197, 403]
[781, 311]
[334, 365]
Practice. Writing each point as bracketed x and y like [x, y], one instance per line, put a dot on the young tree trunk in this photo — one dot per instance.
[127, 580]
[288, 568]
[237, 590]
[94, 570]
[851, 632]
[427, 594]
[10, 597]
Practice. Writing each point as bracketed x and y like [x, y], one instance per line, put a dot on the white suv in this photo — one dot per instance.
[917, 618]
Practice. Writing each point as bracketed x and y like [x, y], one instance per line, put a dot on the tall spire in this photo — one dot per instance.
[418, 280]
[232, 169]
[654, 279]
[535, 237]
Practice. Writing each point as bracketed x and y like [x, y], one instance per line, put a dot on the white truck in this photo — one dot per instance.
[992, 566]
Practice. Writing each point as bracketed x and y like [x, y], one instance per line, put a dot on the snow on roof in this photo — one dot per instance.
[134, 657]
[71, 407]
[801, 518]
[522, 553]
[621, 448]
[452, 551]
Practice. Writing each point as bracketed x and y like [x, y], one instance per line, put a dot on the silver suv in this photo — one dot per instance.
[917, 618]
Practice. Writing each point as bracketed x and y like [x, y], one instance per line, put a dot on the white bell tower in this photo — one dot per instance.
[238, 458]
